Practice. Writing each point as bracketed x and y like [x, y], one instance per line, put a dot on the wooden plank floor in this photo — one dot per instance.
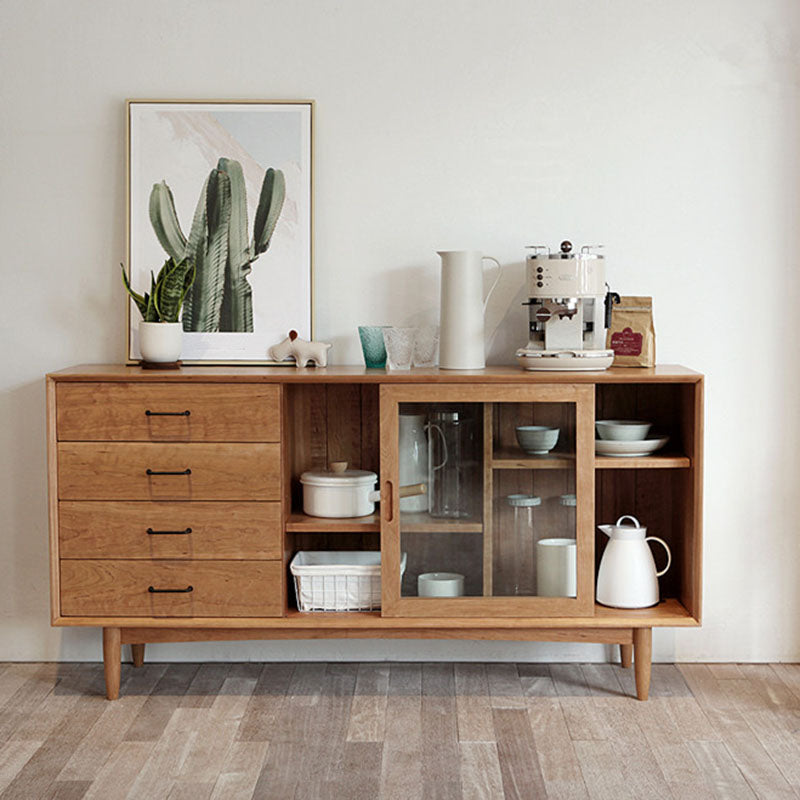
[403, 730]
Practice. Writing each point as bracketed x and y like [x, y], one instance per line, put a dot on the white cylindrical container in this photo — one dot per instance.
[339, 494]
[160, 342]
[440, 584]
[461, 335]
[413, 455]
[556, 568]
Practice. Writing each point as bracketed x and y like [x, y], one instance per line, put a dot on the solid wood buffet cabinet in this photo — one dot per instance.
[175, 503]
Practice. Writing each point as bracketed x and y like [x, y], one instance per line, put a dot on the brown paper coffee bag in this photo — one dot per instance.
[632, 336]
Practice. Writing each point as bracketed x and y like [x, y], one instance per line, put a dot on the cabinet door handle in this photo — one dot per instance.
[186, 471]
[153, 590]
[151, 532]
[150, 413]
[387, 499]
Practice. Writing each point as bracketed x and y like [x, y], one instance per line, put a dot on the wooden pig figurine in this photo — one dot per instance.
[303, 352]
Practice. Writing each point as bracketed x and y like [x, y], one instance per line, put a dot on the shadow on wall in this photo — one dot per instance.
[25, 584]
[417, 287]
[506, 322]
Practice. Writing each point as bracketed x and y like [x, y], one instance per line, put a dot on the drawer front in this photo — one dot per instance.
[129, 471]
[201, 530]
[109, 588]
[156, 412]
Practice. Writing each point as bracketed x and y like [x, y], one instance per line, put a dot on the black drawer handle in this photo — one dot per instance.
[186, 471]
[150, 413]
[153, 590]
[151, 532]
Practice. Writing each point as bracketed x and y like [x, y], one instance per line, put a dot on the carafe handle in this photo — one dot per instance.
[496, 280]
[444, 444]
[666, 547]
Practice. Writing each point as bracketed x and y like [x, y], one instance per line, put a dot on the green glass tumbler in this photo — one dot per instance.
[372, 345]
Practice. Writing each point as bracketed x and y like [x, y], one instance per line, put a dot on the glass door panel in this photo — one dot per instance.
[440, 453]
[494, 491]
[531, 530]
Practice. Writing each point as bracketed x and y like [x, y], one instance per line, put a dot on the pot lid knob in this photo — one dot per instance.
[566, 246]
[338, 466]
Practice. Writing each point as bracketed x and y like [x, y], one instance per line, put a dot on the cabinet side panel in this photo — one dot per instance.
[52, 500]
[691, 494]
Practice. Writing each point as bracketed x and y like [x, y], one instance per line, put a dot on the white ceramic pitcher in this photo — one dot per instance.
[461, 340]
[627, 577]
[413, 454]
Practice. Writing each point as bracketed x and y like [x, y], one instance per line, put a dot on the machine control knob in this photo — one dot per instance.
[540, 269]
[543, 314]
[539, 284]
[566, 246]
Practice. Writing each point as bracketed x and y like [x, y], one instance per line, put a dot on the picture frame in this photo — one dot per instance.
[204, 180]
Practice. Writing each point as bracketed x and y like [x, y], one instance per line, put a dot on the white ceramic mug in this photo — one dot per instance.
[556, 568]
[440, 584]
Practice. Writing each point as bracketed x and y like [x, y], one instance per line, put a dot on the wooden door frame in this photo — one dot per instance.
[393, 604]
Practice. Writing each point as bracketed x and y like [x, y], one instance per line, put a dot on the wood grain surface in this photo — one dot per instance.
[118, 412]
[118, 471]
[217, 530]
[406, 730]
[121, 588]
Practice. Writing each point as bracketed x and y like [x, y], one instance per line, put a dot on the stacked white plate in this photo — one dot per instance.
[623, 438]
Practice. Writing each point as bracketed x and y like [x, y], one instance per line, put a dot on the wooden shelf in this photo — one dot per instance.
[507, 459]
[668, 613]
[302, 523]
[410, 522]
[515, 459]
[667, 461]
[422, 522]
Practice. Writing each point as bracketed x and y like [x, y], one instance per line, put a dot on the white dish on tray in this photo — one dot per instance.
[628, 449]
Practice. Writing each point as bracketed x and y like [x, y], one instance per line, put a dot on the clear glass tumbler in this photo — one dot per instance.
[426, 346]
[399, 347]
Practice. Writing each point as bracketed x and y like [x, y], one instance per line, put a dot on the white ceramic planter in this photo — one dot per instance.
[160, 342]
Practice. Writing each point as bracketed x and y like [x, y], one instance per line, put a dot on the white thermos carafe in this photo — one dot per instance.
[627, 577]
[461, 336]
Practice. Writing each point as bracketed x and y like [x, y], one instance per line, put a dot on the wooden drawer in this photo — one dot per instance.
[91, 529]
[116, 588]
[217, 412]
[119, 471]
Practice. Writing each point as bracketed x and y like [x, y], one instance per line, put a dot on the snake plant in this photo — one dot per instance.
[221, 298]
[167, 291]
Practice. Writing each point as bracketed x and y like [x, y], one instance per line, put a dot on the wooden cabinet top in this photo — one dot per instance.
[357, 374]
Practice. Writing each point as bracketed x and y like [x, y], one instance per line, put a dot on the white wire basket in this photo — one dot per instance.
[338, 580]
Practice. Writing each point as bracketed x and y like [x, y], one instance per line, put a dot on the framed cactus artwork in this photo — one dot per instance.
[226, 186]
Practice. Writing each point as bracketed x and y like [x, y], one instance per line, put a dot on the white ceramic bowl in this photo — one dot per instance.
[537, 440]
[440, 584]
[622, 430]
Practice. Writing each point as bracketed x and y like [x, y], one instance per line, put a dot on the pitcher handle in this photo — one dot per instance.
[666, 547]
[496, 280]
[444, 444]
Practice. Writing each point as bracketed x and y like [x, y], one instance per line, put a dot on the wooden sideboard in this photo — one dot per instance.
[175, 504]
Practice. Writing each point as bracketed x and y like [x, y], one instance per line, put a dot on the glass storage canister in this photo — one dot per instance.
[522, 506]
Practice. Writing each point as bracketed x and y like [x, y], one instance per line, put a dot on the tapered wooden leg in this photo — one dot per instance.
[112, 656]
[137, 653]
[642, 654]
[626, 655]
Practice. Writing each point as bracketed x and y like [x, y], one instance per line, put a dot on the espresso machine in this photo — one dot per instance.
[569, 308]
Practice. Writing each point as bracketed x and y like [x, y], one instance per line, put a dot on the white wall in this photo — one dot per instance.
[667, 130]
